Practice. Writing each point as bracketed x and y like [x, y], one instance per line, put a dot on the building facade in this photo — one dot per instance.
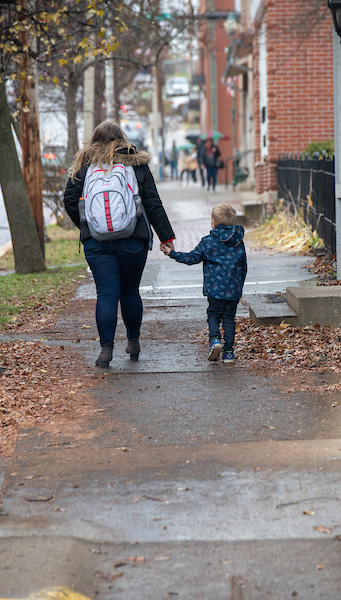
[280, 63]
[293, 82]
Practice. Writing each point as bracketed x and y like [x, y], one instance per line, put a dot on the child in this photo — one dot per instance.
[224, 260]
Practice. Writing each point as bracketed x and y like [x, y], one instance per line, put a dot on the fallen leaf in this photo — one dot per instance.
[136, 558]
[322, 529]
[39, 498]
[116, 576]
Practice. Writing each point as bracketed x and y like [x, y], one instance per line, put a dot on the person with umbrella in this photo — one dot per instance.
[210, 158]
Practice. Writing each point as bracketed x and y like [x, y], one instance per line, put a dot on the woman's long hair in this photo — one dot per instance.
[107, 139]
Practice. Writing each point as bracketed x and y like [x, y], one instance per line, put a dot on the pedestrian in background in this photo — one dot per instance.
[224, 258]
[173, 161]
[192, 163]
[211, 156]
[117, 265]
[200, 153]
[183, 165]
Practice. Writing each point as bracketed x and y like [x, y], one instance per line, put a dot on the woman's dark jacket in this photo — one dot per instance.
[222, 253]
[150, 197]
[210, 156]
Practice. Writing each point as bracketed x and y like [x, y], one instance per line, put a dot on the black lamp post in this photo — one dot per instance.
[335, 7]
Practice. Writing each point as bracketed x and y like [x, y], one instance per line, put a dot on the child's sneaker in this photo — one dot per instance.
[215, 349]
[228, 357]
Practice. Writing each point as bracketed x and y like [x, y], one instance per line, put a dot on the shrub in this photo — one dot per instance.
[325, 145]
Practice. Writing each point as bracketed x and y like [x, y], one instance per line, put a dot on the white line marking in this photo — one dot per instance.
[151, 288]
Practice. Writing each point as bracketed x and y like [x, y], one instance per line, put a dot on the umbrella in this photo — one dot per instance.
[193, 137]
[215, 135]
[186, 146]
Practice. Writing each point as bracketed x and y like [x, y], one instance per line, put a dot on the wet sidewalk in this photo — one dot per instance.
[189, 479]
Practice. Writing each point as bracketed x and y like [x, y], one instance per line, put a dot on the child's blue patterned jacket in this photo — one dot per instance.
[224, 260]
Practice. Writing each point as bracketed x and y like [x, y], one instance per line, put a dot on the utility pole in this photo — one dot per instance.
[156, 122]
[109, 91]
[337, 136]
[116, 96]
[89, 102]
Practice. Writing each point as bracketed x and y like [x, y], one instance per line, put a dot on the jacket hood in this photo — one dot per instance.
[230, 234]
[131, 157]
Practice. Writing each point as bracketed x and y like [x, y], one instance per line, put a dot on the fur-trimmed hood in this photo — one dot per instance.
[131, 158]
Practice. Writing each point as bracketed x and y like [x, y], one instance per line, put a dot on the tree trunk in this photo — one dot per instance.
[30, 144]
[26, 247]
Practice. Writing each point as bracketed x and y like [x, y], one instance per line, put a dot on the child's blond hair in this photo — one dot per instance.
[223, 214]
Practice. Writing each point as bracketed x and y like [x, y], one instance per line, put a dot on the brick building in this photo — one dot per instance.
[284, 81]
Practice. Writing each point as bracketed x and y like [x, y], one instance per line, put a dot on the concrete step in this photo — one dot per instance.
[254, 211]
[302, 306]
[316, 304]
[263, 311]
[241, 219]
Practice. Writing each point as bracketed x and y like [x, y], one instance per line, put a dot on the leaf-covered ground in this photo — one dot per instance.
[44, 383]
[38, 384]
[289, 348]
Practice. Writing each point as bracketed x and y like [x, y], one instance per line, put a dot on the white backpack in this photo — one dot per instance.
[112, 201]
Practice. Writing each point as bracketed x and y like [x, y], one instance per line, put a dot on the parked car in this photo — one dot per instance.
[177, 86]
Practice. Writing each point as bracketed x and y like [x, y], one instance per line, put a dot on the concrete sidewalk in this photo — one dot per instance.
[188, 479]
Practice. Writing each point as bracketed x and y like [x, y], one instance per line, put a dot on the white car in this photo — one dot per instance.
[177, 86]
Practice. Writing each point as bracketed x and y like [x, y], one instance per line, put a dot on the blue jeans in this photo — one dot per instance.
[224, 312]
[211, 176]
[174, 169]
[117, 267]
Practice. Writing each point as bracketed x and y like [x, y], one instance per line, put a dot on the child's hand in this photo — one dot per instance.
[165, 249]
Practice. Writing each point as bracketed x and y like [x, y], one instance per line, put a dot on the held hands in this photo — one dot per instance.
[167, 248]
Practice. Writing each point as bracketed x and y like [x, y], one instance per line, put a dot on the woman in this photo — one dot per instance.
[117, 265]
[210, 157]
[183, 164]
[193, 164]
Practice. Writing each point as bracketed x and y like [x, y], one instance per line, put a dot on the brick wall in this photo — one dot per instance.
[299, 82]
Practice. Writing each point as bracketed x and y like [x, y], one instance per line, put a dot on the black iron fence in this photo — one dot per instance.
[308, 186]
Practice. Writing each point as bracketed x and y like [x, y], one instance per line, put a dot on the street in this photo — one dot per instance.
[187, 479]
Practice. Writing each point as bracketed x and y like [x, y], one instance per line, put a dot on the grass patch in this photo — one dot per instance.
[61, 250]
[24, 298]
